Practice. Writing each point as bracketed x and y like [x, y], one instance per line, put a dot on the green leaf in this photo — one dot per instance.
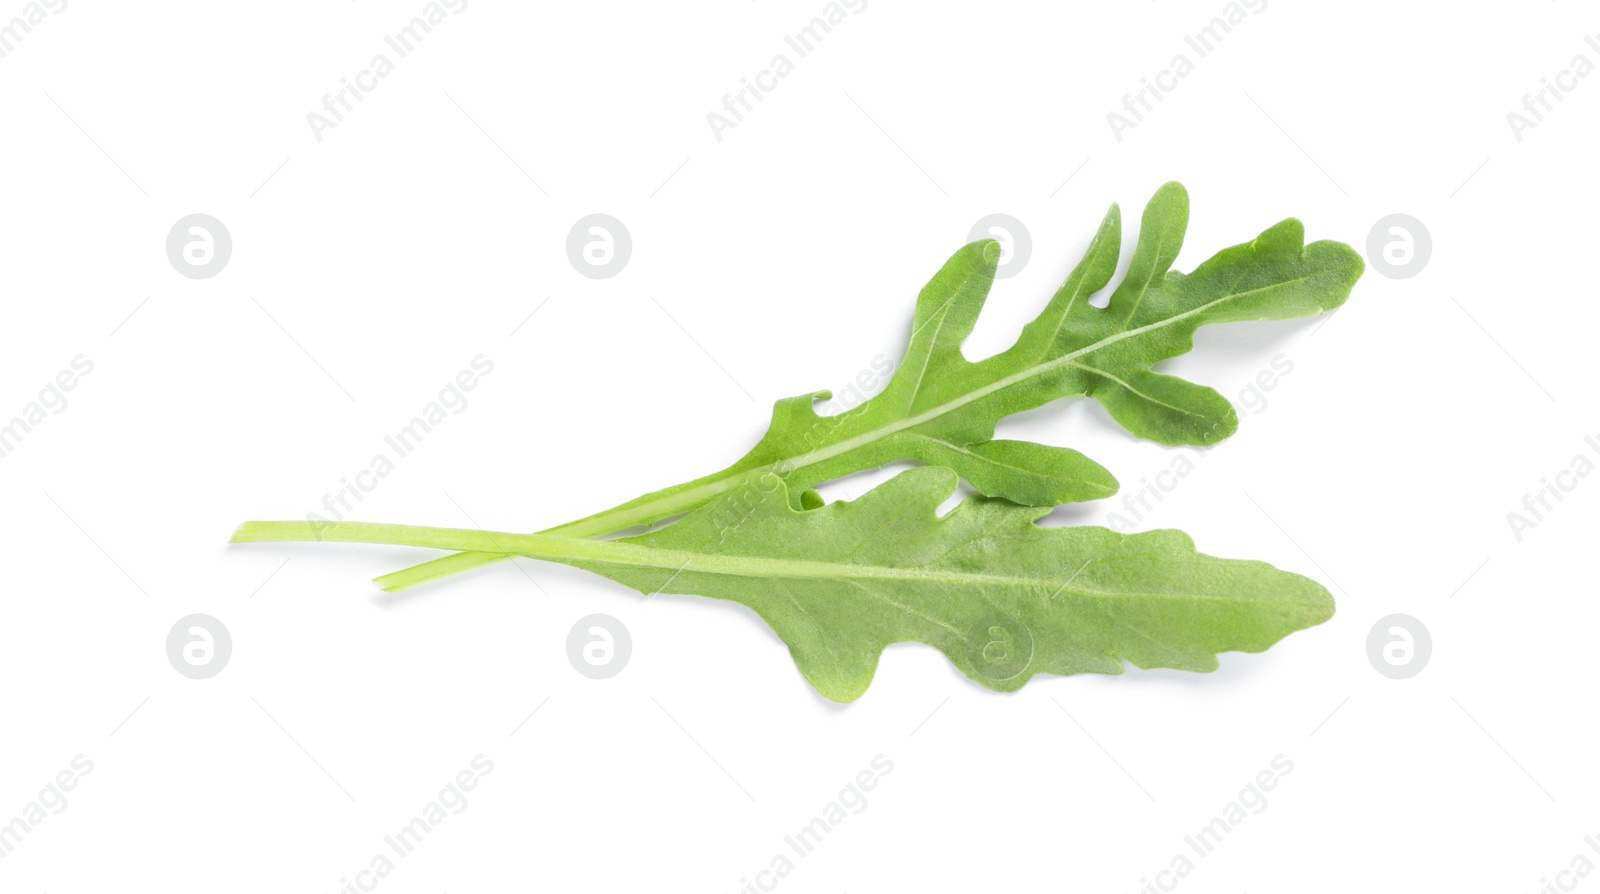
[1003, 598]
[941, 408]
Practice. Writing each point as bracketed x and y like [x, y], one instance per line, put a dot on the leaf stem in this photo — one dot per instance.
[644, 510]
[608, 552]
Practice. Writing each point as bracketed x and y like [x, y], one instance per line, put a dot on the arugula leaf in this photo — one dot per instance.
[941, 409]
[1003, 598]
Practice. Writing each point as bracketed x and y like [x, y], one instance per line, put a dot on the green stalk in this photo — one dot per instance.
[538, 546]
[610, 552]
[644, 510]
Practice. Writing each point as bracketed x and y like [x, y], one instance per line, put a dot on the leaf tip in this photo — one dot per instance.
[1094, 482]
[1354, 264]
[1171, 191]
[988, 252]
[1344, 266]
[1320, 606]
[1224, 428]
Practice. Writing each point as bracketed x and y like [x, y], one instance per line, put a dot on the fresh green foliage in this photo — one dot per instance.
[1002, 597]
[941, 409]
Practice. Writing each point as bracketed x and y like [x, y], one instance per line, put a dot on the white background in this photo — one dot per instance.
[369, 267]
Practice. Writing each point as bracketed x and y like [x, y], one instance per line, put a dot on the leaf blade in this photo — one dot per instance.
[1085, 599]
[1001, 597]
[1071, 349]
